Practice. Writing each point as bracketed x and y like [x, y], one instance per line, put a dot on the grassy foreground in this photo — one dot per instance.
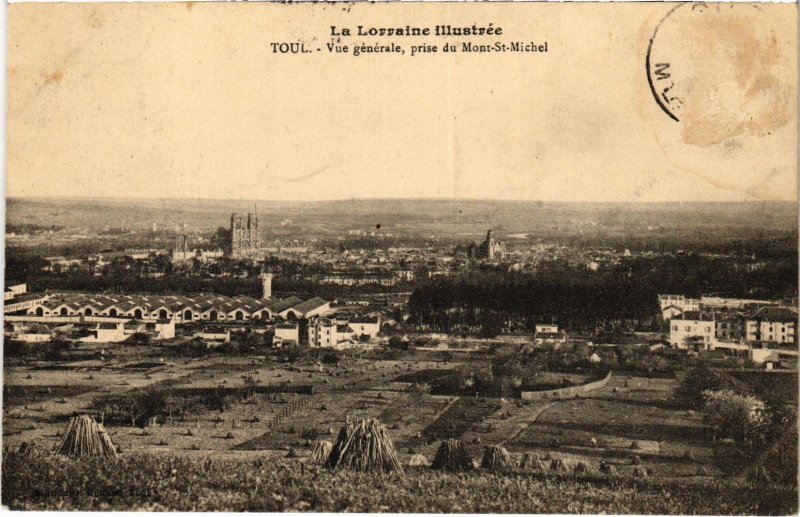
[172, 482]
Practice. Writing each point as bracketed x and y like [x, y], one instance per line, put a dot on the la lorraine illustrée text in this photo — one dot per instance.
[438, 30]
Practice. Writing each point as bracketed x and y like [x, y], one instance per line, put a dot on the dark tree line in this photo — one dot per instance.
[577, 303]
[619, 298]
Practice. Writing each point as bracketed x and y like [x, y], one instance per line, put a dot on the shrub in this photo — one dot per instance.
[331, 357]
[700, 379]
[139, 338]
[740, 417]
[56, 349]
[398, 343]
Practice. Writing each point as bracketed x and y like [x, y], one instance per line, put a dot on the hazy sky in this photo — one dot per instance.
[188, 100]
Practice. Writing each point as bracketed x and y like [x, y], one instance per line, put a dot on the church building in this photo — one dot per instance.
[489, 249]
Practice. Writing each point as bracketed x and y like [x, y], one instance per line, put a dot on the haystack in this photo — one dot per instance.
[759, 475]
[320, 452]
[453, 455]
[639, 472]
[364, 446]
[85, 438]
[582, 468]
[496, 458]
[417, 460]
[531, 461]
[558, 465]
[606, 468]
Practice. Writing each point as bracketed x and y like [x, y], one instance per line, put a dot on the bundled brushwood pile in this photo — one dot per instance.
[496, 458]
[453, 455]
[85, 438]
[320, 452]
[759, 475]
[558, 465]
[531, 461]
[417, 460]
[606, 468]
[364, 446]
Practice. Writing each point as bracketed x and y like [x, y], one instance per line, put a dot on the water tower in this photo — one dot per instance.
[266, 285]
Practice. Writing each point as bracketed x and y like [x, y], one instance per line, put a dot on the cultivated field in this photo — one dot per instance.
[254, 444]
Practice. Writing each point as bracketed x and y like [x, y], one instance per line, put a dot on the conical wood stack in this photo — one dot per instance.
[453, 455]
[759, 475]
[558, 465]
[320, 452]
[85, 438]
[531, 461]
[497, 458]
[364, 446]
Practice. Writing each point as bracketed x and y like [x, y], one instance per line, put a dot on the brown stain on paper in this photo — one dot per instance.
[54, 77]
[741, 85]
[95, 20]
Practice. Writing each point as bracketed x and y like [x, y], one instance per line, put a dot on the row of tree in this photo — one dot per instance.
[617, 298]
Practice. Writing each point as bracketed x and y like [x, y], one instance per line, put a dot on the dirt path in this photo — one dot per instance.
[524, 426]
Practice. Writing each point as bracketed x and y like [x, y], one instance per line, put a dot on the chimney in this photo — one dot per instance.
[266, 285]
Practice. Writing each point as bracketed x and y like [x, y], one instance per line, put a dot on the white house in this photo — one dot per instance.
[322, 333]
[214, 336]
[162, 329]
[286, 334]
[35, 334]
[365, 326]
[692, 330]
[773, 324]
[14, 290]
[106, 333]
[673, 305]
[550, 335]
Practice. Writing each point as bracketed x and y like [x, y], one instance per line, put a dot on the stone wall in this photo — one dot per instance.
[566, 392]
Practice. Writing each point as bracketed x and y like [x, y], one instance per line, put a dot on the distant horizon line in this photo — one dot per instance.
[431, 199]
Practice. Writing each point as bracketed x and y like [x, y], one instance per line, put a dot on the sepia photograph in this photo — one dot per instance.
[457, 257]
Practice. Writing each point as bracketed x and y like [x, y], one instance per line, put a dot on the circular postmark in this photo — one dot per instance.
[659, 73]
[721, 70]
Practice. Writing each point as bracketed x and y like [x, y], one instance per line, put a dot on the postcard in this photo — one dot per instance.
[495, 257]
